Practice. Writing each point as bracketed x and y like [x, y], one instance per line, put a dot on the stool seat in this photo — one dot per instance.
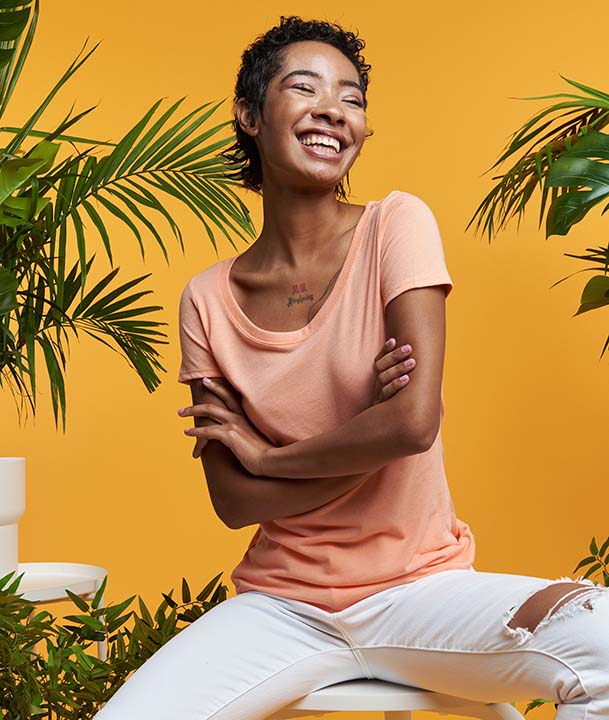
[395, 700]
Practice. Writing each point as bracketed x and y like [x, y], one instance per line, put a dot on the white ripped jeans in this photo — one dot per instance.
[449, 632]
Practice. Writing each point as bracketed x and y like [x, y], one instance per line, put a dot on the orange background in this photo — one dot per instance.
[525, 388]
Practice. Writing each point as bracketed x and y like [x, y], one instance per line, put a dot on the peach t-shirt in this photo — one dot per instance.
[398, 524]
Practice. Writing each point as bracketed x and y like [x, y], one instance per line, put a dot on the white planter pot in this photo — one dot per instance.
[12, 507]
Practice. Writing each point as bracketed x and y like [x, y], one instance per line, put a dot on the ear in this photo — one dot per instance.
[244, 118]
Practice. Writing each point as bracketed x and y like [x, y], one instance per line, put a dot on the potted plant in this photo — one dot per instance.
[68, 681]
[563, 159]
[49, 203]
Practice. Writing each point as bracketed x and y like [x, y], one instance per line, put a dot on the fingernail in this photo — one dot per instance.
[181, 410]
[405, 348]
[389, 342]
[207, 381]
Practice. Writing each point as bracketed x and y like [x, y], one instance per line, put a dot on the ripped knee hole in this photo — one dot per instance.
[535, 608]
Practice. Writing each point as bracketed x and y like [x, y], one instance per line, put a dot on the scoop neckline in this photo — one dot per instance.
[280, 337]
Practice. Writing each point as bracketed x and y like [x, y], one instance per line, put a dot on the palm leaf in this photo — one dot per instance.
[109, 314]
[16, 142]
[136, 161]
[567, 162]
[47, 203]
[515, 188]
[14, 23]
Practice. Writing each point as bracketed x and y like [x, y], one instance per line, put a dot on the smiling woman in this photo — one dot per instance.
[359, 566]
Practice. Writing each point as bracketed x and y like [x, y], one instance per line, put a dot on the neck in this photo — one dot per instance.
[298, 227]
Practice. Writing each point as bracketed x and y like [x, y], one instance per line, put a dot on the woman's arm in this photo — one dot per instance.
[241, 498]
[405, 424]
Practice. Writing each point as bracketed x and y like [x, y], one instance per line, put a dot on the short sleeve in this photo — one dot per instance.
[411, 249]
[197, 358]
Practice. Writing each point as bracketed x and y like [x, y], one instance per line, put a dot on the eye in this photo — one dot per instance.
[302, 87]
[356, 102]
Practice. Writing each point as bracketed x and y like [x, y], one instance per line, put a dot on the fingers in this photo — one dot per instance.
[230, 400]
[397, 360]
[199, 447]
[391, 388]
[392, 367]
[389, 345]
[205, 410]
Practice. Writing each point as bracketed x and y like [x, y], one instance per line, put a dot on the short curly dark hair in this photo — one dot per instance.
[260, 62]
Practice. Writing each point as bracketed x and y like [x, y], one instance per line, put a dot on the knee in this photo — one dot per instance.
[563, 598]
[544, 603]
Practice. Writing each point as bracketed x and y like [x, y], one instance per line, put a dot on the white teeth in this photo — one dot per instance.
[321, 140]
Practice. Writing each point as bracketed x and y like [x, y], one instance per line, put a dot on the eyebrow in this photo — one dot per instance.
[311, 73]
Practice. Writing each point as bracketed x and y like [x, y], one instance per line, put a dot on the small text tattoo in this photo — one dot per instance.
[299, 289]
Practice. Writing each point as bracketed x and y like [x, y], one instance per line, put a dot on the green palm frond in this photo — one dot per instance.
[177, 158]
[546, 138]
[14, 18]
[566, 161]
[48, 205]
[103, 313]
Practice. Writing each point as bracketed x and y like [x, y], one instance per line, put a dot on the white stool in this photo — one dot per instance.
[396, 701]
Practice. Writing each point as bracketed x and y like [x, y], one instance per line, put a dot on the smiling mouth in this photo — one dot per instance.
[323, 144]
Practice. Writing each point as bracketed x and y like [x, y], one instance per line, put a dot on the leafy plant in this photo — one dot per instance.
[46, 204]
[565, 160]
[67, 681]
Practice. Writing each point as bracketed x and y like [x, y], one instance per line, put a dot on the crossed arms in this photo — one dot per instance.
[309, 473]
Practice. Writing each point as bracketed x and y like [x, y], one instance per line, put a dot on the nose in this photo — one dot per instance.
[329, 108]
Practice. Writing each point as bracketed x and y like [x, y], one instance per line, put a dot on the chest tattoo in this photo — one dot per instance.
[299, 293]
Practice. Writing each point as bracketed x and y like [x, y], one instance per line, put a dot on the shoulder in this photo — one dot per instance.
[401, 211]
[202, 282]
[405, 203]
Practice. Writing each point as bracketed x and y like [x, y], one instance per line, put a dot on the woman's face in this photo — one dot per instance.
[315, 98]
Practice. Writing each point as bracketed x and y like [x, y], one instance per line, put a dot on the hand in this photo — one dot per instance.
[389, 366]
[232, 428]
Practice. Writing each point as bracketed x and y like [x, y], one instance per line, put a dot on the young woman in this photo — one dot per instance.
[359, 566]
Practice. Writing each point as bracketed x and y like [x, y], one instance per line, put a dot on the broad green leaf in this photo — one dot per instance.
[15, 173]
[11, 73]
[21, 207]
[12, 24]
[569, 171]
[571, 207]
[592, 144]
[46, 151]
